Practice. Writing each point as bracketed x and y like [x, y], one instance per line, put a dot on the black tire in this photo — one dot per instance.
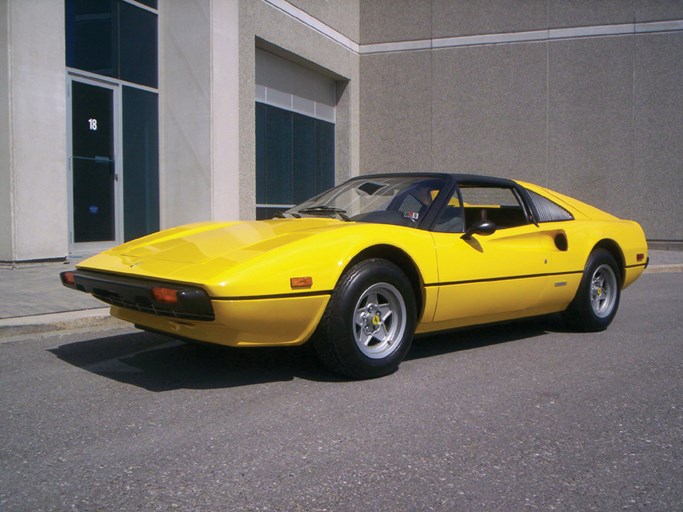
[597, 299]
[368, 326]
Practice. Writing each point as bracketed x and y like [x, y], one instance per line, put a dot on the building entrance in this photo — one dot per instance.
[94, 176]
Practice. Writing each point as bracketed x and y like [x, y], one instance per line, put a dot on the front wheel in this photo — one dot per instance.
[597, 299]
[368, 326]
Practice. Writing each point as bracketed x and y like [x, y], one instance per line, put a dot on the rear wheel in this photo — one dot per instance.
[597, 299]
[368, 326]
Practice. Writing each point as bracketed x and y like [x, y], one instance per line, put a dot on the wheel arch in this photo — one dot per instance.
[613, 248]
[402, 260]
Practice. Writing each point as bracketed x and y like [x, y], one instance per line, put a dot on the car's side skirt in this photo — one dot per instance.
[480, 301]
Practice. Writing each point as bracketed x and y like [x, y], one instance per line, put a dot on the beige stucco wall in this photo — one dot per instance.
[33, 123]
[6, 220]
[198, 97]
[595, 117]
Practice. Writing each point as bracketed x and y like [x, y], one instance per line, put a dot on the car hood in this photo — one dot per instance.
[232, 242]
[200, 252]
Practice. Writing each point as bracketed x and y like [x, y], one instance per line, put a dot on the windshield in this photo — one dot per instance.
[387, 200]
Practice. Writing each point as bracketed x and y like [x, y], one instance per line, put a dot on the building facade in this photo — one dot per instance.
[121, 117]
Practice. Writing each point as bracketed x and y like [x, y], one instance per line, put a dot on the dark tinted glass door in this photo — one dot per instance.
[92, 110]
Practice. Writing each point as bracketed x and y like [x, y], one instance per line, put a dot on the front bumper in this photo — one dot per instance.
[134, 294]
[259, 321]
[242, 323]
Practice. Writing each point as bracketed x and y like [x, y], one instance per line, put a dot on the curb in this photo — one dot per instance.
[86, 318]
[663, 269]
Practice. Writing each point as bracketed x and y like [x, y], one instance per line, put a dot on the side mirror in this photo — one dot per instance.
[481, 227]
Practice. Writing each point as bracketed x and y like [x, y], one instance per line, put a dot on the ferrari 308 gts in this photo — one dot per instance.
[358, 270]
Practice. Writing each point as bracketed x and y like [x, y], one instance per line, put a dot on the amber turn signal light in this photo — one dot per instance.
[166, 295]
[301, 282]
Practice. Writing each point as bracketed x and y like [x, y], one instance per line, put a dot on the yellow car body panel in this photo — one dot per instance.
[258, 258]
[246, 269]
[242, 323]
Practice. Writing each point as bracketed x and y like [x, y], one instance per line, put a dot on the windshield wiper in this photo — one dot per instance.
[315, 210]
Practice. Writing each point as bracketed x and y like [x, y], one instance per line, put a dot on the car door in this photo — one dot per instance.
[488, 277]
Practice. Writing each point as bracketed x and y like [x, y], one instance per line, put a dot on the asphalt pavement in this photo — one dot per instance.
[33, 300]
[514, 417]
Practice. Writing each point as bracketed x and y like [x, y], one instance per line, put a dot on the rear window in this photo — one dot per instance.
[547, 210]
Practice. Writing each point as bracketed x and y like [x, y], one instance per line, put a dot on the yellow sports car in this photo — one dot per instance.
[360, 269]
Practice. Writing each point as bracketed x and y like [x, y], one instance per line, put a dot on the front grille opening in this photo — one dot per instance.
[145, 305]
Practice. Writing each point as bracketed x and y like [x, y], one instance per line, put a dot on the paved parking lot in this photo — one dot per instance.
[513, 417]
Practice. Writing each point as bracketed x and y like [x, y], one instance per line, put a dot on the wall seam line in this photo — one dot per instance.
[10, 138]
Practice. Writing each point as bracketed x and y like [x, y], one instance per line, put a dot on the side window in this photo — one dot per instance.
[547, 210]
[498, 204]
[451, 220]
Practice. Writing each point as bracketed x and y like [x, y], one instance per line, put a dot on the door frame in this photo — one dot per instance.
[89, 248]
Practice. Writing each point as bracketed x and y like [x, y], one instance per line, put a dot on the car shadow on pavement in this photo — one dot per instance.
[469, 338]
[158, 363]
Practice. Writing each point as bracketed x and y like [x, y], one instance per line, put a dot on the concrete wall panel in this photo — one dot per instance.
[658, 10]
[298, 43]
[341, 15]
[225, 107]
[590, 121]
[395, 107]
[658, 115]
[199, 104]
[6, 218]
[38, 130]
[464, 17]
[489, 110]
[579, 13]
[395, 20]
[185, 111]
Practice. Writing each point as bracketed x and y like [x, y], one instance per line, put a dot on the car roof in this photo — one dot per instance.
[457, 177]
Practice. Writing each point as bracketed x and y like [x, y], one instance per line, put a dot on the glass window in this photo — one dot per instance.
[91, 36]
[138, 45]
[92, 117]
[397, 200]
[494, 197]
[112, 38]
[278, 156]
[304, 158]
[141, 160]
[547, 210]
[294, 158]
[450, 220]
[500, 205]
[260, 154]
[93, 189]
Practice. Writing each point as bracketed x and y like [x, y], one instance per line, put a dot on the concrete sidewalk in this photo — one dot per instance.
[32, 298]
